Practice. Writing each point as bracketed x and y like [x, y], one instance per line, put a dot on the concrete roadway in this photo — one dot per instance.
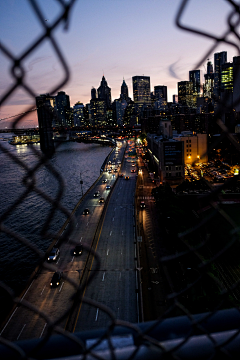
[25, 324]
[115, 283]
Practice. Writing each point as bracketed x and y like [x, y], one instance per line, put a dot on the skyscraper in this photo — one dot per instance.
[194, 77]
[62, 107]
[185, 93]
[209, 81]
[236, 84]
[160, 92]
[124, 91]
[93, 93]
[104, 93]
[141, 92]
[219, 59]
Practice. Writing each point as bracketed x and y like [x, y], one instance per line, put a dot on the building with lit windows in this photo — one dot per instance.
[160, 92]
[195, 146]
[194, 77]
[236, 84]
[208, 85]
[141, 92]
[62, 108]
[104, 93]
[167, 154]
[78, 114]
[219, 59]
[98, 112]
[227, 77]
[185, 93]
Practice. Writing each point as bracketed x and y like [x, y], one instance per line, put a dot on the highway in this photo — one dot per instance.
[49, 304]
[114, 284]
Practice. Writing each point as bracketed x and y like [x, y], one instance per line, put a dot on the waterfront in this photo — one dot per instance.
[70, 159]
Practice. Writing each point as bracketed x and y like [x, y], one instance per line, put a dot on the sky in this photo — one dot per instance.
[115, 38]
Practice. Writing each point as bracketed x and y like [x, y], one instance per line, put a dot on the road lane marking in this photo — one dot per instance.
[110, 233]
[21, 331]
[81, 239]
[8, 321]
[122, 232]
[107, 251]
[61, 287]
[57, 261]
[112, 219]
[43, 330]
[26, 291]
[103, 276]
[77, 225]
[96, 314]
[72, 259]
[87, 224]
[43, 290]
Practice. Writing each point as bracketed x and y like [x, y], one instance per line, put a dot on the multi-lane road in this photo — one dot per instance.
[113, 284]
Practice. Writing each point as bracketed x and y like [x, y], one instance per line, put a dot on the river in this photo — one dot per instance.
[71, 160]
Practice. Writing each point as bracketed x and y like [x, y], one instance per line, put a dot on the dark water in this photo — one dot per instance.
[16, 260]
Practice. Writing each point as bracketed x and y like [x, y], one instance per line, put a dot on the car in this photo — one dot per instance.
[115, 170]
[104, 181]
[113, 175]
[86, 211]
[56, 279]
[54, 254]
[96, 194]
[109, 171]
[126, 177]
[78, 249]
[121, 175]
[133, 164]
[142, 205]
[108, 187]
[101, 200]
[133, 170]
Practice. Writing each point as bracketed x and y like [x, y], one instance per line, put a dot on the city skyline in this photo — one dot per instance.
[91, 50]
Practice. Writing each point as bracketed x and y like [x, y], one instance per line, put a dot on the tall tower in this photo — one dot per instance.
[160, 92]
[219, 59]
[62, 107]
[124, 91]
[141, 91]
[185, 93]
[93, 93]
[194, 77]
[45, 110]
[104, 93]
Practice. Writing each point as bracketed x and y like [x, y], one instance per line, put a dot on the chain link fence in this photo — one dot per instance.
[214, 265]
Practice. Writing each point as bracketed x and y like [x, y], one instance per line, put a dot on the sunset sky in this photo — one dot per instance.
[117, 38]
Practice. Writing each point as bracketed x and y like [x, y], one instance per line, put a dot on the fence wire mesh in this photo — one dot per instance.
[210, 262]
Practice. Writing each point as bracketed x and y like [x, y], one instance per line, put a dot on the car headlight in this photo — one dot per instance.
[74, 252]
[49, 258]
[54, 258]
[57, 283]
[50, 284]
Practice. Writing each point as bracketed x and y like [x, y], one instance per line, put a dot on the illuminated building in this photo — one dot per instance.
[160, 92]
[236, 83]
[227, 77]
[124, 91]
[194, 77]
[141, 92]
[104, 93]
[195, 147]
[185, 93]
[78, 114]
[166, 155]
[209, 81]
[219, 59]
[62, 107]
[98, 112]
